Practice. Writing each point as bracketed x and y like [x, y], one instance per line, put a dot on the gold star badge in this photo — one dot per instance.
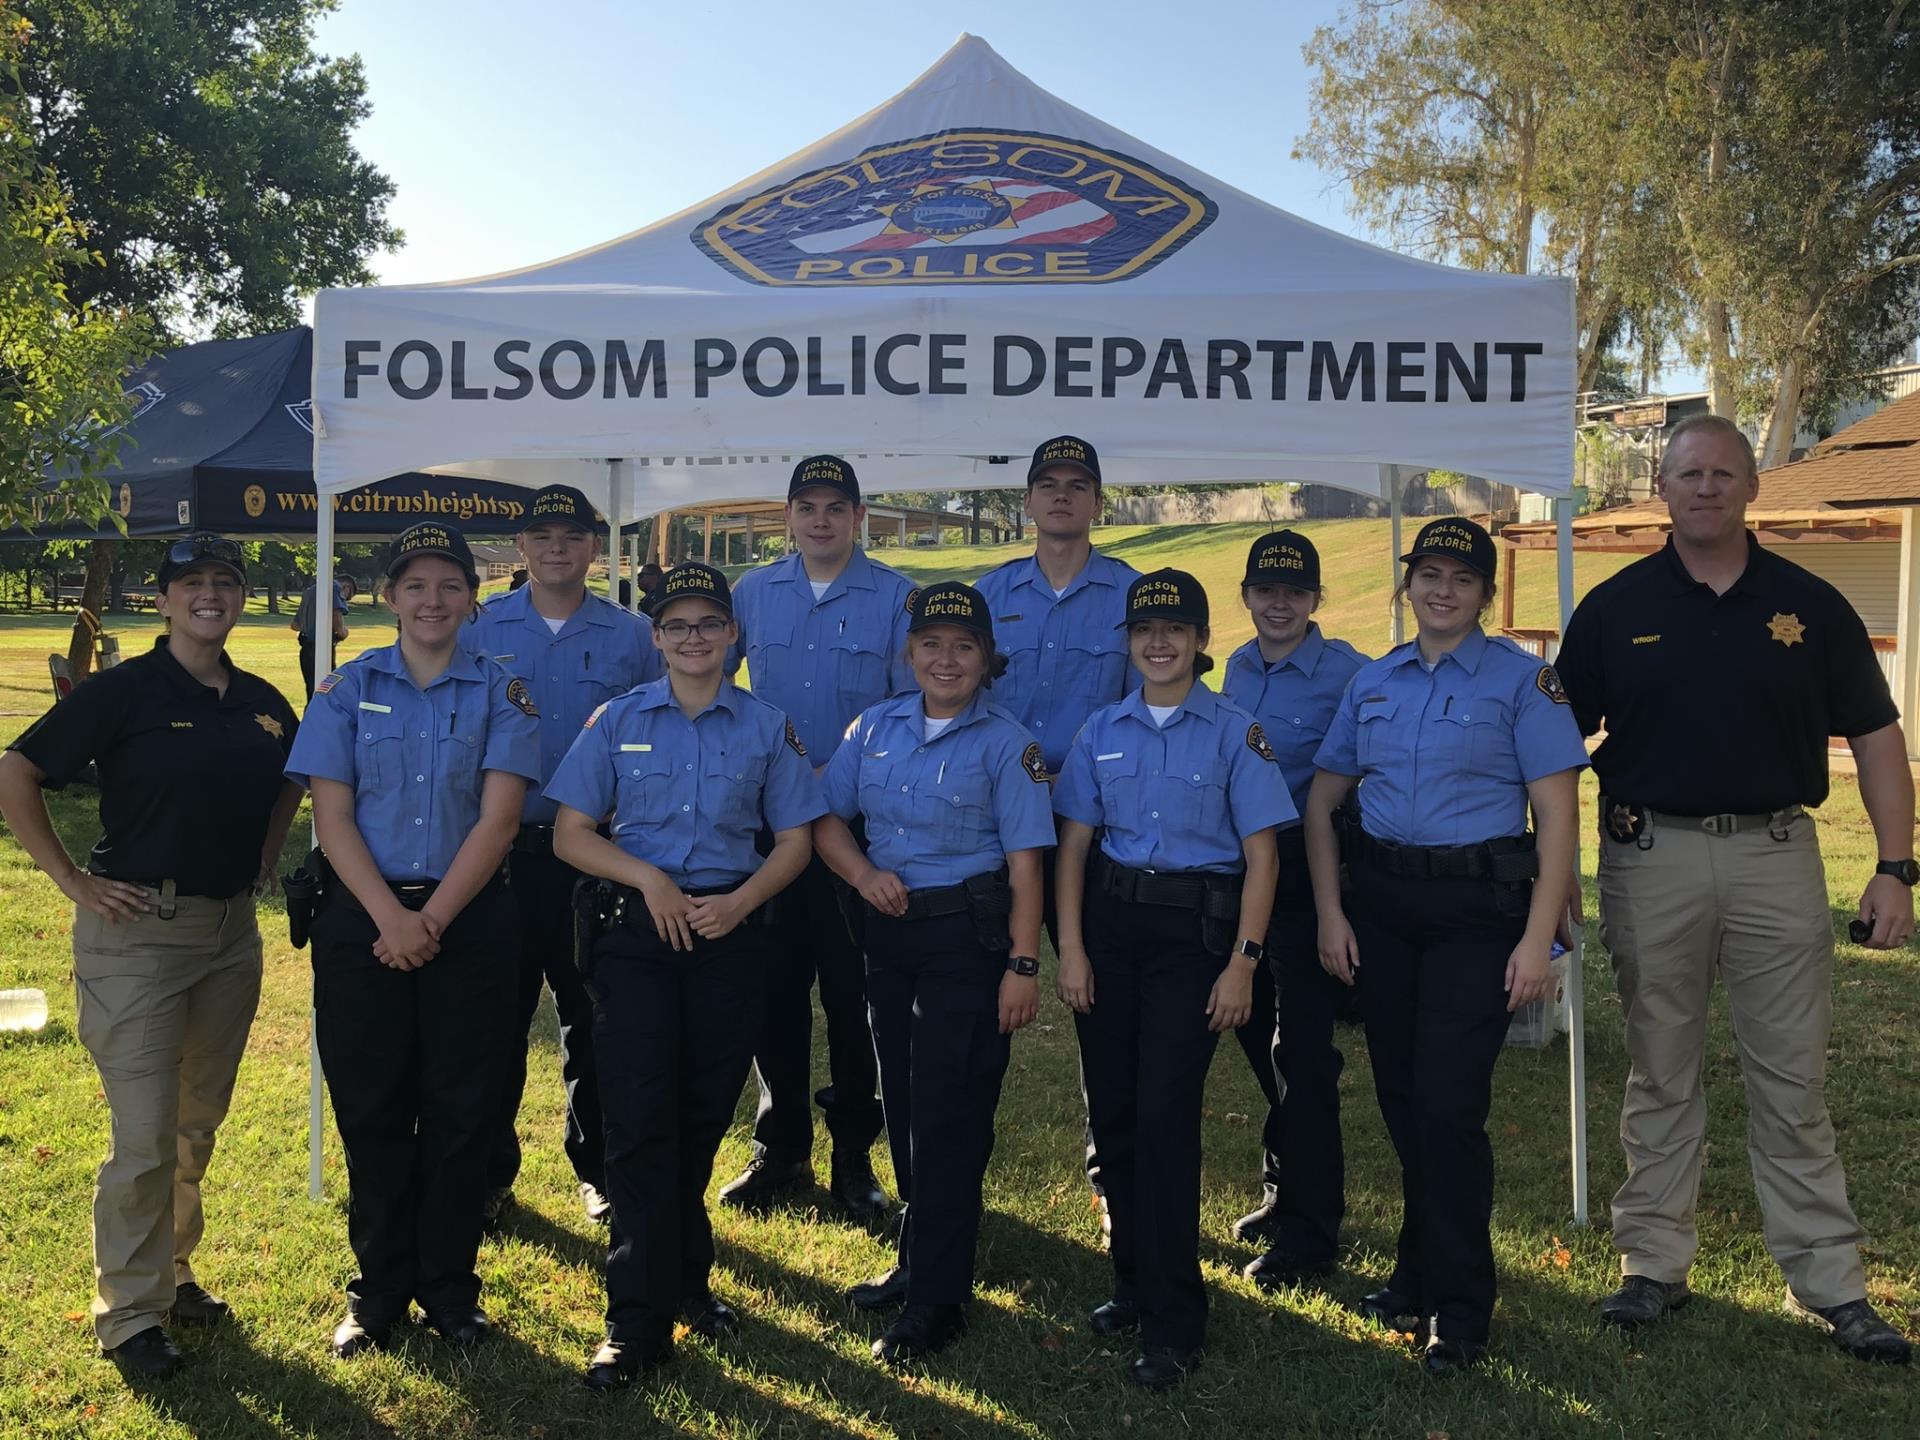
[1787, 629]
[272, 726]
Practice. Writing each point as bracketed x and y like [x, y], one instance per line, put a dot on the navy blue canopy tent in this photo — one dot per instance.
[222, 439]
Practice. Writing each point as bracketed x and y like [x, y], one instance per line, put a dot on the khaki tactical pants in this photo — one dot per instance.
[1755, 909]
[164, 1008]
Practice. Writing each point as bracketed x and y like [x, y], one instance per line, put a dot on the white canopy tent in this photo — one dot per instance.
[964, 270]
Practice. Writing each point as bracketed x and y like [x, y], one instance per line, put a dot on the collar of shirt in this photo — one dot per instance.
[1757, 579]
[177, 675]
[1200, 702]
[857, 574]
[1467, 654]
[518, 605]
[1099, 570]
[909, 707]
[1304, 657]
[464, 665]
[658, 695]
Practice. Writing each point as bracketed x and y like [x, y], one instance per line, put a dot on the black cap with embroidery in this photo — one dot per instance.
[950, 603]
[691, 580]
[1064, 450]
[560, 505]
[1458, 539]
[203, 548]
[430, 537]
[1166, 595]
[828, 471]
[1283, 557]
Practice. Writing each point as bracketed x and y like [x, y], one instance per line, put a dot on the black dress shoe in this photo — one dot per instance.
[1856, 1329]
[358, 1332]
[594, 1201]
[195, 1306]
[921, 1330]
[1161, 1369]
[1449, 1357]
[494, 1208]
[1393, 1310]
[1260, 1226]
[883, 1292]
[150, 1355]
[1281, 1269]
[765, 1181]
[1641, 1301]
[857, 1192]
[711, 1318]
[462, 1325]
[1116, 1317]
[619, 1362]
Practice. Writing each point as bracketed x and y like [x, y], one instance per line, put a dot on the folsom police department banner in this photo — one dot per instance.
[968, 268]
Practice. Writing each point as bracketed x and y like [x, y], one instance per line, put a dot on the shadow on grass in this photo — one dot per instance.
[234, 1388]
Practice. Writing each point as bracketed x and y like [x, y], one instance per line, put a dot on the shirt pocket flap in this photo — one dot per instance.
[1381, 709]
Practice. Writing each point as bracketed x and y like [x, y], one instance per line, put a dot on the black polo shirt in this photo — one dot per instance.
[188, 777]
[1719, 704]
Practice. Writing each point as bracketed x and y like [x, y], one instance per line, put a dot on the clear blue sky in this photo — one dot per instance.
[519, 132]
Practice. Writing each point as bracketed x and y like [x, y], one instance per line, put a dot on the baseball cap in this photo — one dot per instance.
[1064, 450]
[204, 548]
[560, 505]
[1283, 557]
[691, 580]
[1166, 595]
[829, 471]
[950, 603]
[1459, 539]
[430, 537]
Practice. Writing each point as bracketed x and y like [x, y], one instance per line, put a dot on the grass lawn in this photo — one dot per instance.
[1296, 1365]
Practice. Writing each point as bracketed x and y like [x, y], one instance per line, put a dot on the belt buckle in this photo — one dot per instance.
[1721, 825]
[168, 907]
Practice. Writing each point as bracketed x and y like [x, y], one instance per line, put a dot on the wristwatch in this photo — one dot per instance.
[1023, 965]
[1252, 949]
[1905, 871]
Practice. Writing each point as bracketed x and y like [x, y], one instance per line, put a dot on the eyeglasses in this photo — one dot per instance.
[204, 547]
[711, 627]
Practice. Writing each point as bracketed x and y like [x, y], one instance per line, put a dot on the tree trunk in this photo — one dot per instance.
[117, 586]
[93, 596]
[1720, 396]
[1777, 444]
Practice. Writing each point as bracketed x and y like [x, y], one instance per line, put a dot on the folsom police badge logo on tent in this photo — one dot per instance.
[960, 207]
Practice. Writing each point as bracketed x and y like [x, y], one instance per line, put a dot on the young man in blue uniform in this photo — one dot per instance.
[1290, 678]
[1057, 617]
[690, 770]
[824, 635]
[573, 651]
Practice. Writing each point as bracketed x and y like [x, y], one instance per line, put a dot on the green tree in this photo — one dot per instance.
[61, 358]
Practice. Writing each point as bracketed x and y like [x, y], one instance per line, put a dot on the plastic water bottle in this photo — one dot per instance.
[23, 1009]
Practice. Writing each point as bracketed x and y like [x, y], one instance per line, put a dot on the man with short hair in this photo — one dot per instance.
[1718, 670]
[574, 651]
[303, 617]
[824, 635]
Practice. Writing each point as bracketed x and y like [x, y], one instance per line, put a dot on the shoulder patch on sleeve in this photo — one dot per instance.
[517, 692]
[326, 682]
[1548, 681]
[1257, 742]
[598, 711]
[1034, 763]
[912, 595]
[793, 740]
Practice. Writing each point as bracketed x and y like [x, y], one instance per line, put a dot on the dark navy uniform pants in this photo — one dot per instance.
[1298, 1068]
[814, 943]
[1435, 955]
[1144, 1052]
[933, 992]
[673, 1035]
[543, 886]
[412, 1064]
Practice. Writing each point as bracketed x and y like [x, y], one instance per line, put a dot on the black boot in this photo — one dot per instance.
[921, 1330]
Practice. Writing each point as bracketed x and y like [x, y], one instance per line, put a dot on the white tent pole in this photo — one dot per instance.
[614, 508]
[1576, 975]
[322, 665]
[1390, 482]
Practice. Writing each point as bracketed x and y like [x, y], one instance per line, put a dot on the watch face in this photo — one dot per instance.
[1024, 965]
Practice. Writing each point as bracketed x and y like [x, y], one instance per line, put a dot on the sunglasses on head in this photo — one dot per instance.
[204, 547]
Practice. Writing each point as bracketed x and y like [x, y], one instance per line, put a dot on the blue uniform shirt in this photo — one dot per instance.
[1445, 757]
[1066, 654]
[602, 651]
[1175, 797]
[824, 661]
[688, 795]
[940, 811]
[415, 757]
[1294, 701]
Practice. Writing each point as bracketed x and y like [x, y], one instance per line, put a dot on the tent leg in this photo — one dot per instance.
[1390, 482]
[1576, 975]
[615, 506]
[322, 665]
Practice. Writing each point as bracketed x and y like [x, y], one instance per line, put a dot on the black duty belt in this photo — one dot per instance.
[1177, 889]
[1509, 858]
[932, 901]
[413, 894]
[630, 906]
[534, 840]
[1628, 820]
